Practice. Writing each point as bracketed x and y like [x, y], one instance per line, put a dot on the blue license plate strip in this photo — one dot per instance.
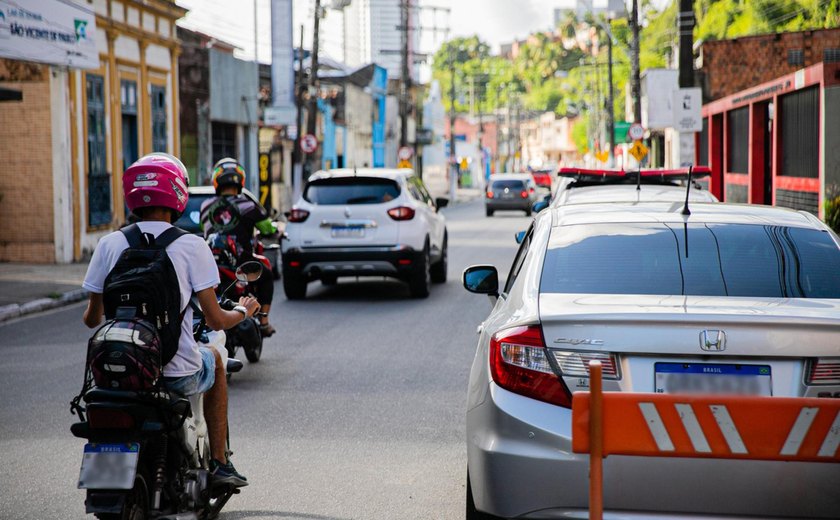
[712, 378]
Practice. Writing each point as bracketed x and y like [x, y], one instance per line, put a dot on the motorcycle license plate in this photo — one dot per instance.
[348, 232]
[109, 466]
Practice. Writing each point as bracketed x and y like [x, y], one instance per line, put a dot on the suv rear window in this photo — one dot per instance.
[351, 190]
[697, 260]
[511, 185]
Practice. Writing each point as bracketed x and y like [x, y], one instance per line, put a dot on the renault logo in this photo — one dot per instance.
[713, 340]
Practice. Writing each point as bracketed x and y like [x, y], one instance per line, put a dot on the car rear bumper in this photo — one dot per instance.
[513, 204]
[521, 466]
[317, 262]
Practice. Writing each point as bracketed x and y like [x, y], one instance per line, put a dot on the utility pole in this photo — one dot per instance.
[686, 30]
[256, 41]
[313, 86]
[610, 101]
[297, 158]
[636, 82]
[453, 157]
[405, 84]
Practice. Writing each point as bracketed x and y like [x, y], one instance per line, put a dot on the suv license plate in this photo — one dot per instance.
[109, 466]
[348, 232]
[707, 378]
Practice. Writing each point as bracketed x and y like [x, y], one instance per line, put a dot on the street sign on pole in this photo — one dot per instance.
[636, 132]
[308, 143]
[639, 150]
[687, 104]
[405, 153]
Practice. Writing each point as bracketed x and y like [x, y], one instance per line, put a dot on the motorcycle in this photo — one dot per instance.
[148, 451]
[246, 336]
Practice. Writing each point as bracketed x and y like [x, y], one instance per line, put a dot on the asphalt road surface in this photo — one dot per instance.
[356, 410]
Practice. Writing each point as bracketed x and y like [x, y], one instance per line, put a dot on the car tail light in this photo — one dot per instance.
[576, 364]
[489, 194]
[524, 194]
[530, 190]
[401, 213]
[298, 215]
[109, 418]
[823, 371]
[519, 363]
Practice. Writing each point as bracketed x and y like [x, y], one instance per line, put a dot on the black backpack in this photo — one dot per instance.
[144, 285]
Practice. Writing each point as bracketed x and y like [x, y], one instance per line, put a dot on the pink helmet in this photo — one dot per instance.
[156, 179]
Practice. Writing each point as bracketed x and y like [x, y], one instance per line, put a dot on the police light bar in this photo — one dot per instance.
[671, 174]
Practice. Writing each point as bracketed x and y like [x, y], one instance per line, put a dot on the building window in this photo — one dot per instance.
[799, 124]
[831, 55]
[796, 57]
[738, 130]
[128, 104]
[159, 143]
[224, 140]
[99, 180]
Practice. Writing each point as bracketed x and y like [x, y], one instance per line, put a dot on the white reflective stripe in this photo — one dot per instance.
[692, 427]
[832, 439]
[656, 427]
[728, 429]
[799, 431]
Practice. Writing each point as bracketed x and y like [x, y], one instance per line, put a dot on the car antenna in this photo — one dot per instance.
[685, 210]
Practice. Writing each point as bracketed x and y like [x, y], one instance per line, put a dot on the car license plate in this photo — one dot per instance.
[109, 466]
[707, 378]
[348, 232]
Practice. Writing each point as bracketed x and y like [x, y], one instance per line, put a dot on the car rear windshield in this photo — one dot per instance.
[351, 190]
[696, 259]
[511, 185]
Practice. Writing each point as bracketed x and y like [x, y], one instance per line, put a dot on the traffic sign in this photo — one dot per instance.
[405, 153]
[308, 143]
[639, 150]
[404, 164]
[603, 155]
[636, 131]
[687, 103]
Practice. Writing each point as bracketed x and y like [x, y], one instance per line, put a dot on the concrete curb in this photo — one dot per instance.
[16, 310]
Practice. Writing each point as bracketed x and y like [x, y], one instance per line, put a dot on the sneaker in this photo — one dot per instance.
[266, 330]
[226, 474]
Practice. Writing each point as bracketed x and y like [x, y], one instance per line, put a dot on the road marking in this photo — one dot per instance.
[728, 429]
[656, 427]
[799, 431]
[832, 439]
[692, 427]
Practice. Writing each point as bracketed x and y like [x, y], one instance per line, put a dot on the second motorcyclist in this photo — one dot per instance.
[233, 212]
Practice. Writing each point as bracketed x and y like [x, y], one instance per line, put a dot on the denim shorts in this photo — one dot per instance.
[197, 383]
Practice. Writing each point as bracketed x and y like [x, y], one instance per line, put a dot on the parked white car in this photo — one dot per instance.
[365, 222]
[726, 299]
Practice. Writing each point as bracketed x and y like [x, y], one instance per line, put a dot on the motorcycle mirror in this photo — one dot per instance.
[249, 272]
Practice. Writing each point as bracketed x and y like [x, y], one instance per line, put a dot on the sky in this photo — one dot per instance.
[495, 21]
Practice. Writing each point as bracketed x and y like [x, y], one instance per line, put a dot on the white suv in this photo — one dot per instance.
[365, 222]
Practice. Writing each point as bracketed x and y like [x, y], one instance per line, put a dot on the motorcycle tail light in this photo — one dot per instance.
[823, 371]
[519, 363]
[401, 213]
[109, 419]
[298, 215]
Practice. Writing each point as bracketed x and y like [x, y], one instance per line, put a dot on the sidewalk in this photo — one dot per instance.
[28, 288]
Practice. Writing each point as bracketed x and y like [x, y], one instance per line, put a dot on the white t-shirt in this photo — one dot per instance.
[196, 271]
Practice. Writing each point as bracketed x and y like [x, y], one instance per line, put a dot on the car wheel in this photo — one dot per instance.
[471, 512]
[294, 287]
[439, 269]
[489, 212]
[420, 282]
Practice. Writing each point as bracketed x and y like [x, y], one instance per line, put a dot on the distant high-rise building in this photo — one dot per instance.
[368, 31]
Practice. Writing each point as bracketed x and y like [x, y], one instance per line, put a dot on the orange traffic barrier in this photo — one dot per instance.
[711, 426]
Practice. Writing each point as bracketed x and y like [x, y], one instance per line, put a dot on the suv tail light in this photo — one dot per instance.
[519, 363]
[401, 213]
[109, 418]
[524, 194]
[298, 215]
[489, 194]
[823, 371]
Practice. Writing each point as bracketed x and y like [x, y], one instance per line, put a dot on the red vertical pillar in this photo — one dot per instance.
[716, 155]
[758, 128]
[776, 146]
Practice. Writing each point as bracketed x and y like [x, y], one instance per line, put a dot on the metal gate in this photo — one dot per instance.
[799, 116]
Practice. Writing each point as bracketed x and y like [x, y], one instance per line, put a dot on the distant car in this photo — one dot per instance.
[191, 221]
[729, 299]
[542, 178]
[365, 222]
[510, 191]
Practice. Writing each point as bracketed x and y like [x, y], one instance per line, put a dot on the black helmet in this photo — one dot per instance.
[228, 172]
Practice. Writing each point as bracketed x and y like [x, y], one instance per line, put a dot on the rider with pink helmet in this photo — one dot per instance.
[155, 189]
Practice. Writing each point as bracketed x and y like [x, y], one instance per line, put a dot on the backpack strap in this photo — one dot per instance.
[170, 235]
[134, 236]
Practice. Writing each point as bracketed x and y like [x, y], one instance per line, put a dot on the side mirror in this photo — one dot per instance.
[539, 206]
[520, 236]
[249, 272]
[481, 279]
[441, 202]
[273, 213]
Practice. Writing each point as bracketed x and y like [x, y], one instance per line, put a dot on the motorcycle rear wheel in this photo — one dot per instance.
[254, 354]
[136, 505]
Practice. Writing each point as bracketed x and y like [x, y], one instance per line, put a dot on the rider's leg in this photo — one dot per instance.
[215, 411]
[265, 295]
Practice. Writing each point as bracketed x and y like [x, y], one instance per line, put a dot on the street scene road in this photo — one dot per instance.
[356, 409]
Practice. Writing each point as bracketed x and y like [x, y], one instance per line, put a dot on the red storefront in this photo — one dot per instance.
[778, 142]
